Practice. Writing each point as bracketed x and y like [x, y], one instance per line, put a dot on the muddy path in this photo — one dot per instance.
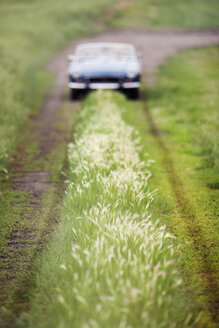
[156, 46]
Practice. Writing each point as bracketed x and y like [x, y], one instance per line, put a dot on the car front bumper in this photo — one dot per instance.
[109, 86]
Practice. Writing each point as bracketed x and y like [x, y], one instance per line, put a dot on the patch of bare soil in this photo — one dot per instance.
[156, 46]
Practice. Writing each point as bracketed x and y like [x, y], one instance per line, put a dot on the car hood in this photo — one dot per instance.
[104, 66]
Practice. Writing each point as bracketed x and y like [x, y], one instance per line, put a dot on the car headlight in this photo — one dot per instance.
[76, 74]
[131, 73]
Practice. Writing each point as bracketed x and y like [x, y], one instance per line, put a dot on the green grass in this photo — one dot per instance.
[167, 13]
[177, 102]
[184, 108]
[109, 264]
[27, 228]
[13, 202]
[184, 105]
[31, 32]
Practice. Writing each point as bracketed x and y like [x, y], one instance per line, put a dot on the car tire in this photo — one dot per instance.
[74, 94]
[134, 94]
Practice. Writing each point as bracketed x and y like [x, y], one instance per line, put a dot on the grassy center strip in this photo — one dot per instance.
[114, 266]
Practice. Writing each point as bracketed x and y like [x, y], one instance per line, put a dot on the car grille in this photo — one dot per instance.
[104, 80]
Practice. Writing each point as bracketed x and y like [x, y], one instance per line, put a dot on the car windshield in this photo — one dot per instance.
[105, 50]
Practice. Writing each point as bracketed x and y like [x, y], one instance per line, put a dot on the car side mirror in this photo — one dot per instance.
[71, 57]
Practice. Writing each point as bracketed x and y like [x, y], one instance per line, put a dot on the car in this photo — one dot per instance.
[108, 65]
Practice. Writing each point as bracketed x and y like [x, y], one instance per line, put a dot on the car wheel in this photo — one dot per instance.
[134, 94]
[74, 94]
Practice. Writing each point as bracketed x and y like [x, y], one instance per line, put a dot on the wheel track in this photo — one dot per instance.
[199, 244]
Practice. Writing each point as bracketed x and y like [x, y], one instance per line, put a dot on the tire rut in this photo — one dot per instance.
[199, 244]
[31, 231]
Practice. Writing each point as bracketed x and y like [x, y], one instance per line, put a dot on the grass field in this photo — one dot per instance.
[176, 124]
[175, 107]
[31, 32]
[184, 106]
[186, 202]
[111, 193]
[112, 263]
[181, 134]
[166, 13]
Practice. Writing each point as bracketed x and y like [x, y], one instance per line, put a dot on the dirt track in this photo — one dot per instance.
[155, 45]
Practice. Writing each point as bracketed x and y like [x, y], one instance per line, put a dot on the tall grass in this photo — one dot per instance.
[184, 108]
[110, 264]
[30, 33]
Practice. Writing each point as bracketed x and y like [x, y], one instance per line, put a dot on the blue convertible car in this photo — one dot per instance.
[104, 66]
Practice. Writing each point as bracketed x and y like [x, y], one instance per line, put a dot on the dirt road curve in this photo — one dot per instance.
[155, 45]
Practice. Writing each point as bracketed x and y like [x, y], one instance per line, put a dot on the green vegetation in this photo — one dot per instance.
[110, 263]
[181, 135]
[31, 32]
[166, 13]
[24, 227]
[182, 116]
[53, 163]
[184, 105]
[178, 131]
